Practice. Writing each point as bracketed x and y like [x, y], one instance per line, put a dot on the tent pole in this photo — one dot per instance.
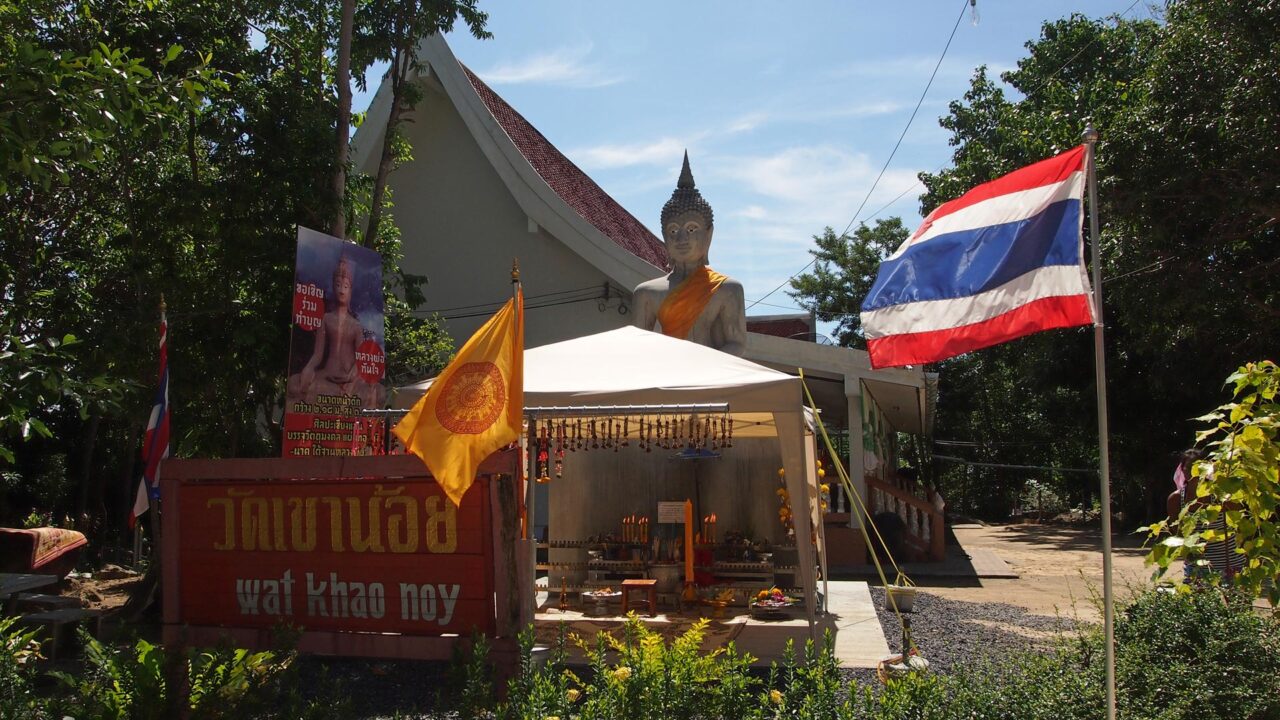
[790, 427]
[530, 514]
[1090, 138]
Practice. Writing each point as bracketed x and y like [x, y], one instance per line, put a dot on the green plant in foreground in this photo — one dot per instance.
[1239, 482]
[134, 683]
[19, 650]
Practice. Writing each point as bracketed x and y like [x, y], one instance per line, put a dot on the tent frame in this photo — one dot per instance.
[801, 483]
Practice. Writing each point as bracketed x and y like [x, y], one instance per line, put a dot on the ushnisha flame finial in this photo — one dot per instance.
[686, 197]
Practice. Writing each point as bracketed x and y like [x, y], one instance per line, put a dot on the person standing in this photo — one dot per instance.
[1220, 556]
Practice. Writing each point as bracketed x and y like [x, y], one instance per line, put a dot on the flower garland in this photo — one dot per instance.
[785, 515]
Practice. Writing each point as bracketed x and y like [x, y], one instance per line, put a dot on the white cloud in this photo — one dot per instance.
[666, 151]
[565, 66]
[868, 109]
[747, 122]
[787, 197]
[817, 177]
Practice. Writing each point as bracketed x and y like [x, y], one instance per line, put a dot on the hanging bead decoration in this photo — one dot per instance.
[542, 447]
[700, 430]
[560, 433]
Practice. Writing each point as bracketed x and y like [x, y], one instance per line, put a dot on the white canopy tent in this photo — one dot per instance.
[634, 367]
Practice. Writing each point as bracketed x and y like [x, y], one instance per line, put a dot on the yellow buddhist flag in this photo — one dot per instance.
[474, 407]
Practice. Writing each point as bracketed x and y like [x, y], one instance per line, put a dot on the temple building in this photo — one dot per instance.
[485, 183]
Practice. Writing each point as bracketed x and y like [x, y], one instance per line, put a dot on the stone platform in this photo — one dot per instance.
[851, 617]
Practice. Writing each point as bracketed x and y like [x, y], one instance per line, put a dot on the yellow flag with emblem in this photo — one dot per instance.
[474, 407]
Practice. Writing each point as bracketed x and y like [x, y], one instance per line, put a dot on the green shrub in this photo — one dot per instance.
[637, 677]
[1178, 657]
[809, 686]
[18, 652]
[132, 684]
[1201, 655]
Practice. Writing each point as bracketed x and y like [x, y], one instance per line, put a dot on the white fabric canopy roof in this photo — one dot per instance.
[630, 366]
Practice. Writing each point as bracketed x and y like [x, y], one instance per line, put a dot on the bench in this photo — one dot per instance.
[42, 601]
[56, 620]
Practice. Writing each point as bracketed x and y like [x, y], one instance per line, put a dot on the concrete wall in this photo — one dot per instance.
[461, 228]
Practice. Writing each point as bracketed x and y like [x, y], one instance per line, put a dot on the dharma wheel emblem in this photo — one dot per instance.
[472, 398]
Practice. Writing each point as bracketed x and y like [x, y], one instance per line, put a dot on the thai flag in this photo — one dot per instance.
[1005, 259]
[155, 444]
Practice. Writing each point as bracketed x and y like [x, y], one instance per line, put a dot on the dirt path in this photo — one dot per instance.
[1059, 568]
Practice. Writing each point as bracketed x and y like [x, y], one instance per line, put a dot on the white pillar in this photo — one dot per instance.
[853, 393]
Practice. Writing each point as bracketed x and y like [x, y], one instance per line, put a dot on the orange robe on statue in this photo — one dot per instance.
[685, 302]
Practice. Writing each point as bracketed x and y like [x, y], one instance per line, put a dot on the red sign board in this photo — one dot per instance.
[384, 554]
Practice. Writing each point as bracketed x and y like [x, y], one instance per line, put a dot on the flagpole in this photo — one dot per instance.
[1090, 138]
[528, 608]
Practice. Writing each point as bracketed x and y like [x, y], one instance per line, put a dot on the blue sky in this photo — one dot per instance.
[788, 110]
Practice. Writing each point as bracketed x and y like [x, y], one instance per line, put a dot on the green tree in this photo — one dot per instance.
[198, 203]
[844, 268]
[1189, 191]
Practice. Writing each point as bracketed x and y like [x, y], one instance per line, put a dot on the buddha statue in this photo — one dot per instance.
[692, 302]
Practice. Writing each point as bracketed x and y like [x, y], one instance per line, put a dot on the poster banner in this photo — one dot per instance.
[337, 352]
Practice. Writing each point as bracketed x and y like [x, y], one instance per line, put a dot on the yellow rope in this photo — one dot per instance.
[865, 518]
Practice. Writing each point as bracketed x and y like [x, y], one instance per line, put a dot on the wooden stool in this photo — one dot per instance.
[649, 585]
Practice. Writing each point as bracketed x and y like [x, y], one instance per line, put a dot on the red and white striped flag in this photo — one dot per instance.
[155, 444]
[1005, 259]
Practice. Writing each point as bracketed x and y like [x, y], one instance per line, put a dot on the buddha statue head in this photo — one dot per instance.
[687, 222]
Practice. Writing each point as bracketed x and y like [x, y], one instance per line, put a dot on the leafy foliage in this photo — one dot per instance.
[1239, 483]
[1189, 190]
[134, 684]
[18, 651]
[174, 151]
[1178, 657]
[844, 270]
[638, 676]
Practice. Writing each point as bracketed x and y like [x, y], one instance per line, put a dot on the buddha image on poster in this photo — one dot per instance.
[337, 352]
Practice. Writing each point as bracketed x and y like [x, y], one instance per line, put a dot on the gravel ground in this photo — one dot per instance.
[952, 631]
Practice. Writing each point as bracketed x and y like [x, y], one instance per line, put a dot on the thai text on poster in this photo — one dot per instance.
[337, 350]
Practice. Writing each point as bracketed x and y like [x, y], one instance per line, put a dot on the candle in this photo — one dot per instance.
[688, 542]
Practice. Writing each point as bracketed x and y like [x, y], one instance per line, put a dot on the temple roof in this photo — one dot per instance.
[568, 181]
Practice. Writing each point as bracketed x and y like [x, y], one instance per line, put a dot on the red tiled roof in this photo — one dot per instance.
[797, 328]
[571, 183]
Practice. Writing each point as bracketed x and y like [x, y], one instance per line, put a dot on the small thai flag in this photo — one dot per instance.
[155, 444]
[1004, 260]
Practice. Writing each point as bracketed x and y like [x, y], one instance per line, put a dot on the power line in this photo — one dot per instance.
[962, 461]
[595, 291]
[1038, 88]
[964, 6]
[969, 443]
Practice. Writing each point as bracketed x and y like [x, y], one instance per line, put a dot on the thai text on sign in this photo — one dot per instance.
[352, 555]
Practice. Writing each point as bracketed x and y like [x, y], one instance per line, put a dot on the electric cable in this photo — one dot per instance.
[1041, 86]
[964, 6]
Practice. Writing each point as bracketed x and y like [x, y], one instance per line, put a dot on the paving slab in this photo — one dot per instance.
[851, 618]
[963, 561]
